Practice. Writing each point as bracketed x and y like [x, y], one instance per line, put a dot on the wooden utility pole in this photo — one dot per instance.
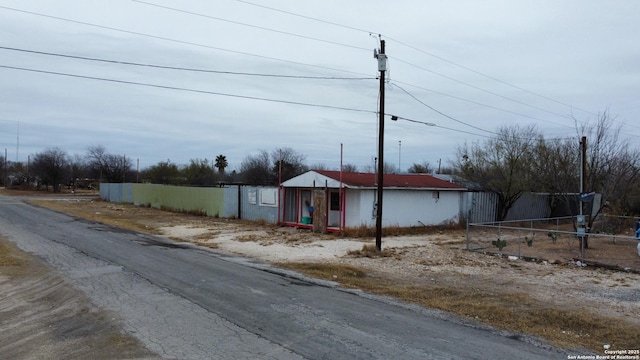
[583, 182]
[382, 67]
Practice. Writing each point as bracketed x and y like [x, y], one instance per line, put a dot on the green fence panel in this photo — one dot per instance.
[209, 201]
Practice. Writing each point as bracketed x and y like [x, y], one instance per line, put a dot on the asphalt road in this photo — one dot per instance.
[189, 303]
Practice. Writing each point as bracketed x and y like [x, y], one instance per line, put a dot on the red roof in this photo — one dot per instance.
[390, 180]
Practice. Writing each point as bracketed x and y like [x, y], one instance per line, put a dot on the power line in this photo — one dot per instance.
[440, 112]
[396, 117]
[183, 68]
[289, 61]
[252, 26]
[307, 17]
[188, 90]
[178, 41]
[439, 58]
[255, 55]
[481, 104]
[489, 76]
[482, 89]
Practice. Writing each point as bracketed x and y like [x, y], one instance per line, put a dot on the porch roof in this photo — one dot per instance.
[331, 179]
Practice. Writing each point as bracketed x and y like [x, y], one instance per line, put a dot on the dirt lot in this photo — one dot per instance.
[604, 250]
[566, 305]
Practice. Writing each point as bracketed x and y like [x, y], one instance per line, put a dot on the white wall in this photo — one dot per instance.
[403, 208]
[352, 209]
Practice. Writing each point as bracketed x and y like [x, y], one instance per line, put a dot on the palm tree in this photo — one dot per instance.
[221, 163]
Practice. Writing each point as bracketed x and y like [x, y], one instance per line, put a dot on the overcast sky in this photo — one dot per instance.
[480, 63]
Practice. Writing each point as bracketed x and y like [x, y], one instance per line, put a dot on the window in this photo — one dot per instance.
[253, 196]
[268, 197]
[335, 201]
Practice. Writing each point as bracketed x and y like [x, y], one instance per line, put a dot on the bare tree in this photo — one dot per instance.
[319, 166]
[257, 170]
[50, 166]
[556, 165]
[293, 162]
[264, 168]
[388, 168]
[349, 168]
[501, 165]
[108, 167]
[613, 166]
[77, 169]
[422, 168]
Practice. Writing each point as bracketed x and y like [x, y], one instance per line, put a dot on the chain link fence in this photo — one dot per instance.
[611, 241]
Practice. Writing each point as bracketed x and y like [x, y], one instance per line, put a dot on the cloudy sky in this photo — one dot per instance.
[301, 74]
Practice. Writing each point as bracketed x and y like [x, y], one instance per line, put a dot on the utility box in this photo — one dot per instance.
[581, 230]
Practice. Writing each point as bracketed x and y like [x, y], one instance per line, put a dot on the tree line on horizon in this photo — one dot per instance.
[53, 169]
[517, 160]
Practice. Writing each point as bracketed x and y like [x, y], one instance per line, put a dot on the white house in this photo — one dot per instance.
[408, 200]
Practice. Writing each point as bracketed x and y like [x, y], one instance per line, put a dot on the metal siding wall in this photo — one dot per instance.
[128, 193]
[478, 206]
[207, 200]
[406, 208]
[530, 206]
[291, 203]
[352, 208]
[116, 192]
[256, 211]
[148, 195]
[481, 207]
[104, 191]
[365, 215]
[231, 201]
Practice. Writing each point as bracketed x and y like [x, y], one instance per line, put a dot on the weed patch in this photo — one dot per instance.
[370, 251]
[8, 255]
[364, 231]
[247, 238]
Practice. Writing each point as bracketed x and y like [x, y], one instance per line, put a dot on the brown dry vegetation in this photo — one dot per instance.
[515, 296]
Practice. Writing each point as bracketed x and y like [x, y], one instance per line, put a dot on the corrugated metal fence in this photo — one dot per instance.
[241, 202]
[482, 207]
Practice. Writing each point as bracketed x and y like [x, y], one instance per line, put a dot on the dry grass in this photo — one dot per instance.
[370, 251]
[209, 245]
[513, 311]
[327, 271]
[177, 239]
[364, 231]
[121, 215]
[247, 238]
[206, 236]
[8, 255]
